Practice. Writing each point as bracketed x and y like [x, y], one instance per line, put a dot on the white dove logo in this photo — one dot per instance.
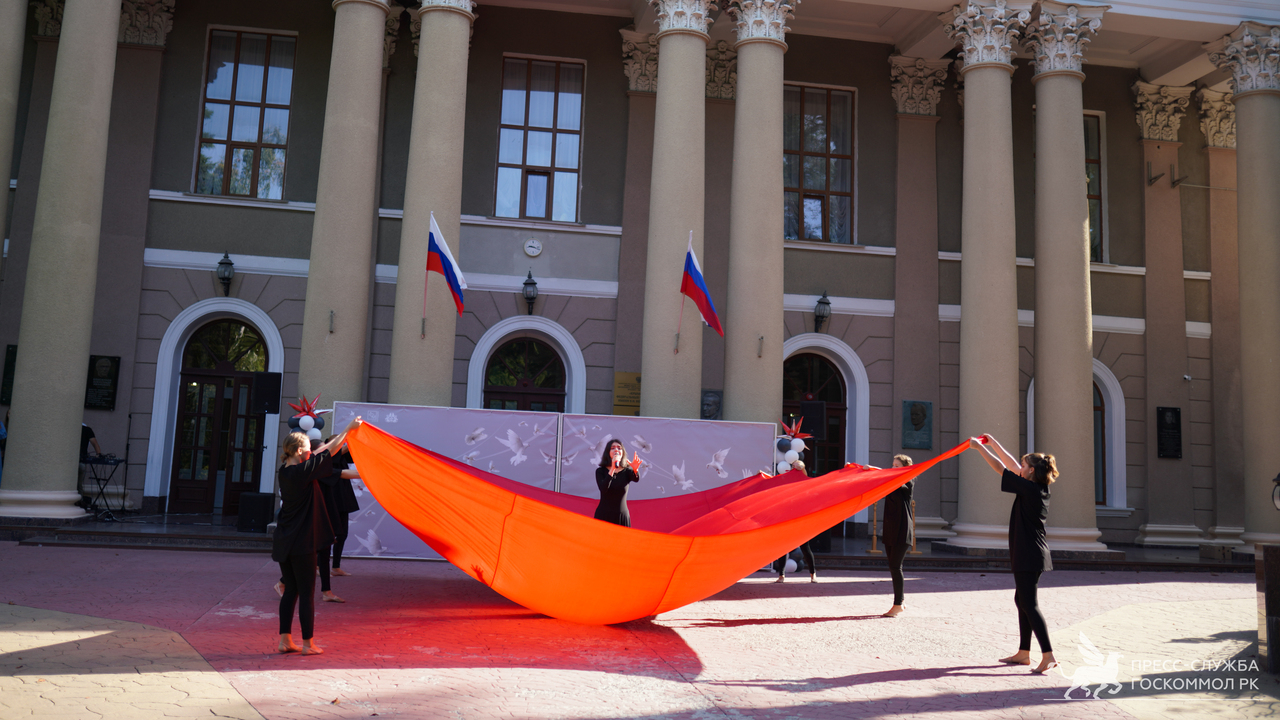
[1101, 672]
[475, 436]
[717, 462]
[516, 446]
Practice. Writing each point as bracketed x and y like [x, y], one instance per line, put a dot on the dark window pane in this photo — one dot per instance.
[791, 216]
[204, 436]
[791, 118]
[838, 225]
[249, 70]
[241, 171]
[280, 75]
[1093, 179]
[841, 123]
[209, 168]
[815, 173]
[569, 114]
[189, 431]
[566, 150]
[542, 94]
[509, 405]
[791, 171]
[201, 465]
[1092, 143]
[539, 153]
[535, 204]
[511, 146]
[564, 205]
[513, 82]
[508, 197]
[192, 395]
[244, 124]
[841, 175]
[271, 174]
[216, 117]
[208, 393]
[812, 218]
[1095, 231]
[222, 57]
[184, 465]
[275, 126]
[815, 120]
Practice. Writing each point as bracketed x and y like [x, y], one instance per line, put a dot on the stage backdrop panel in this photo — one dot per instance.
[554, 452]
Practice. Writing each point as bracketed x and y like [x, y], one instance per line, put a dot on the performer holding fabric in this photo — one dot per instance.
[1028, 480]
[302, 530]
[898, 533]
[339, 500]
[614, 478]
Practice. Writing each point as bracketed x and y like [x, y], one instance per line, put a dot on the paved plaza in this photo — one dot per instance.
[103, 633]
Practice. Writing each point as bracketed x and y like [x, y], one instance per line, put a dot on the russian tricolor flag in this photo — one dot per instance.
[440, 260]
[695, 287]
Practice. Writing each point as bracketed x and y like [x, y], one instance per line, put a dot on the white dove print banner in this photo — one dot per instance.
[554, 452]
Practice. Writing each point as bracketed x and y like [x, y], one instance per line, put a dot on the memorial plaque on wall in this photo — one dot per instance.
[1169, 432]
[6, 384]
[917, 425]
[100, 390]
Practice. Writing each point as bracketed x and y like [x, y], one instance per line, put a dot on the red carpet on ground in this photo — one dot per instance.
[545, 551]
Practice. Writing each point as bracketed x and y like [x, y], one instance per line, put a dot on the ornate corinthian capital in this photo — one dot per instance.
[917, 84]
[1217, 118]
[986, 30]
[392, 32]
[640, 60]
[146, 22]
[762, 20]
[1059, 33]
[1252, 53]
[464, 7]
[687, 16]
[1160, 109]
[48, 17]
[722, 71]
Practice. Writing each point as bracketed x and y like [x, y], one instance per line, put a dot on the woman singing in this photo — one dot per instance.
[899, 531]
[1029, 482]
[614, 477]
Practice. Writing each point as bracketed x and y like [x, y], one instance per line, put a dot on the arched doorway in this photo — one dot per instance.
[218, 441]
[525, 374]
[814, 389]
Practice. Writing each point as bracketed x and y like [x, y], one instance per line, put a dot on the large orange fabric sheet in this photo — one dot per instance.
[543, 549]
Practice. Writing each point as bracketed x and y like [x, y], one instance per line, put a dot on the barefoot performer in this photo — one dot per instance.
[303, 528]
[614, 478]
[899, 532]
[1028, 480]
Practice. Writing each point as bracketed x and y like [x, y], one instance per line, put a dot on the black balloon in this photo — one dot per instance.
[320, 422]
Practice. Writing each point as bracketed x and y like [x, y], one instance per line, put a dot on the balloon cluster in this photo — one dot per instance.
[789, 446]
[308, 420]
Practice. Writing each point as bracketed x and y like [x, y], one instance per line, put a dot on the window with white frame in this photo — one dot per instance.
[244, 131]
[540, 140]
[1095, 182]
[817, 129]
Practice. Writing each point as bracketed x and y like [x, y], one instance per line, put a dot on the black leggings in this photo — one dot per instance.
[299, 575]
[1029, 618]
[780, 565]
[340, 530]
[322, 565]
[895, 552]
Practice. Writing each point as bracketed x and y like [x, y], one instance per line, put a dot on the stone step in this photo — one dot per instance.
[65, 537]
[956, 563]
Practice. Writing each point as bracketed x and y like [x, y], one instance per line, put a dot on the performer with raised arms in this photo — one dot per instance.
[614, 478]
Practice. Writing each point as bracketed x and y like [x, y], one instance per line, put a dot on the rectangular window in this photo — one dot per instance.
[1093, 170]
[817, 171]
[540, 140]
[244, 133]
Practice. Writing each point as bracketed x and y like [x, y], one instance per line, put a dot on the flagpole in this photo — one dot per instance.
[426, 274]
[680, 322]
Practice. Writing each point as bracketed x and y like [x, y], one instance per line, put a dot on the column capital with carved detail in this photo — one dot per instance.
[917, 84]
[391, 33]
[722, 71]
[684, 16]
[762, 20]
[1217, 118]
[1058, 33]
[146, 22]
[987, 30]
[48, 15]
[462, 7]
[640, 60]
[1160, 109]
[1252, 53]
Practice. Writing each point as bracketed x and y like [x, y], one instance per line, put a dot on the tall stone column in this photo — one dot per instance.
[1252, 53]
[1064, 310]
[422, 351]
[754, 330]
[57, 308]
[1218, 123]
[336, 318]
[1170, 500]
[671, 382]
[988, 285]
[917, 88]
[13, 25]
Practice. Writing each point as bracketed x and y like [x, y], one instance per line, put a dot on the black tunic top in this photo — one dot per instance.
[303, 526]
[899, 521]
[613, 495]
[1028, 551]
[339, 495]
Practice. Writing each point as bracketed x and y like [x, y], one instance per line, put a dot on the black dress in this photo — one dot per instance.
[303, 527]
[899, 523]
[339, 495]
[1028, 550]
[613, 495]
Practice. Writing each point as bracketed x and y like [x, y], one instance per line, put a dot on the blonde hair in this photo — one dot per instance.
[1044, 468]
[905, 460]
[293, 443]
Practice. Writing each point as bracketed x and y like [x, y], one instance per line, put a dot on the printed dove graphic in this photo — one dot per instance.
[568, 459]
[470, 456]
[475, 436]
[516, 446]
[641, 444]
[547, 457]
[598, 448]
[372, 544]
[717, 462]
[677, 472]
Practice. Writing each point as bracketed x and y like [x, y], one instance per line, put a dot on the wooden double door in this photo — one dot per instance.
[217, 453]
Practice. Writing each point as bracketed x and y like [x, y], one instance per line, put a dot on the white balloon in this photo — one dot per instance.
[315, 434]
[791, 456]
[797, 445]
[790, 566]
[784, 467]
[306, 422]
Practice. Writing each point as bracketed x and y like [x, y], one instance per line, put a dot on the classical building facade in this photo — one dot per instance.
[1055, 222]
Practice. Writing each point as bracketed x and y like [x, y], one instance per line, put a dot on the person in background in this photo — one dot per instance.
[898, 533]
[780, 565]
[87, 439]
[339, 500]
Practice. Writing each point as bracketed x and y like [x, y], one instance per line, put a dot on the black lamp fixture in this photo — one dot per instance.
[821, 312]
[530, 291]
[226, 271]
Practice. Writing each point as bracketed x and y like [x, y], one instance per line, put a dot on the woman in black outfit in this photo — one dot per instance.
[898, 533]
[302, 529]
[339, 500]
[614, 477]
[1028, 480]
